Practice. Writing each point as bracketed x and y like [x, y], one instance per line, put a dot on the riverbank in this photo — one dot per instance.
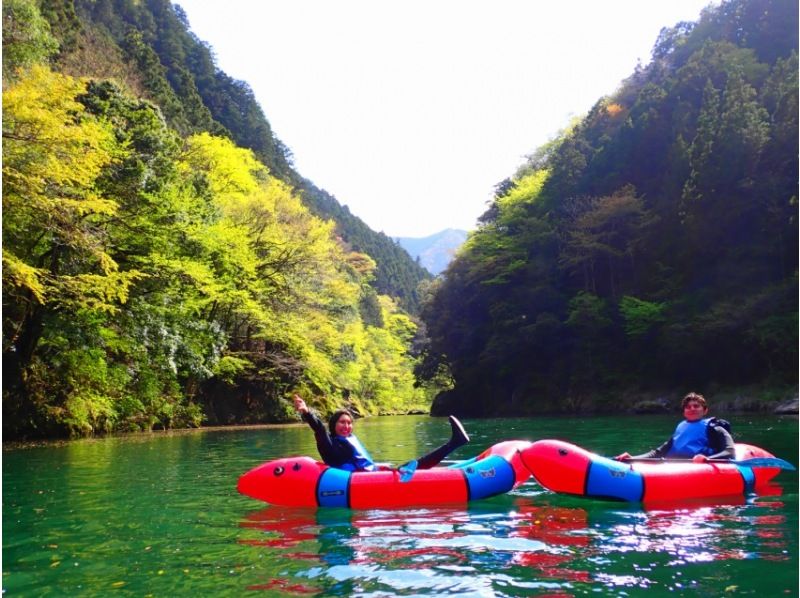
[747, 400]
[142, 435]
[750, 400]
[780, 400]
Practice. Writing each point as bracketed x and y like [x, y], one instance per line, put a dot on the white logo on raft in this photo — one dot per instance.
[488, 473]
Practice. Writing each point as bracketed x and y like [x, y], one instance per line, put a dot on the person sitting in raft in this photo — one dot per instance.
[340, 448]
[697, 437]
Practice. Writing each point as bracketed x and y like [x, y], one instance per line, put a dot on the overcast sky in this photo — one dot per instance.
[409, 112]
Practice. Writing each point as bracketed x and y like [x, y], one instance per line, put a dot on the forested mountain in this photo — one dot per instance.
[435, 251]
[397, 274]
[162, 266]
[653, 245]
[148, 45]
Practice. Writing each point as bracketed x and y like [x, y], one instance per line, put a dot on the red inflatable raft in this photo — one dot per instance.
[303, 481]
[563, 467]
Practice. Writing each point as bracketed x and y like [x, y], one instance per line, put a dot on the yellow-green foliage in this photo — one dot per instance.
[387, 380]
[27, 39]
[169, 266]
[52, 155]
[23, 276]
[288, 277]
[494, 244]
[526, 190]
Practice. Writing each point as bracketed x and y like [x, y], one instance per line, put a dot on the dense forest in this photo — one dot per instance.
[149, 47]
[650, 247]
[163, 263]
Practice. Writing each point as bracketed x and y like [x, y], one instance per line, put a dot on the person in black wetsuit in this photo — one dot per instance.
[340, 448]
[697, 437]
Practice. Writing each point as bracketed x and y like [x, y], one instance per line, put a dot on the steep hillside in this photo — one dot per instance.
[397, 274]
[651, 246]
[156, 275]
[149, 46]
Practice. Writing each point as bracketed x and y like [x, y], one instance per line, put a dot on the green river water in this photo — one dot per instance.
[158, 515]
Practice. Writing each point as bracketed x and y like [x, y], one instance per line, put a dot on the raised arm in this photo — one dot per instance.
[332, 453]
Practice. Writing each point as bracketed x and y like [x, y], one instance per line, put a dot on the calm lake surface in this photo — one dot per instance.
[159, 515]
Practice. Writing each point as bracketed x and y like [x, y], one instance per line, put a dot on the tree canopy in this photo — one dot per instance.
[156, 274]
[148, 47]
[653, 245]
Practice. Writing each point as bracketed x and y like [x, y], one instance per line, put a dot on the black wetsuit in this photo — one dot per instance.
[334, 450]
[338, 452]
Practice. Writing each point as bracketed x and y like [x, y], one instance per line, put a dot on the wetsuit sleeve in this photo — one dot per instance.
[722, 442]
[656, 452]
[333, 453]
[315, 422]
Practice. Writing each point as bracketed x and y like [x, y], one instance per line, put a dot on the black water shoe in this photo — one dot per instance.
[459, 436]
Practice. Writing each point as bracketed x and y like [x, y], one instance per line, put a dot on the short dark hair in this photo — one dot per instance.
[693, 396]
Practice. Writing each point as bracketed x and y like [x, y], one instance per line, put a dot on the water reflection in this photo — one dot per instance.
[520, 546]
[434, 549]
[701, 531]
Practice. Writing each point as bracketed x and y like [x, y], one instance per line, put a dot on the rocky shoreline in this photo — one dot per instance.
[734, 404]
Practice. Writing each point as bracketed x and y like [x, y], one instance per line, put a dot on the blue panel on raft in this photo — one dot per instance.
[613, 479]
[489, 476]
[333, 488]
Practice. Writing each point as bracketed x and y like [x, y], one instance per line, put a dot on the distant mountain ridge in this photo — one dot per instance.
[435, 251]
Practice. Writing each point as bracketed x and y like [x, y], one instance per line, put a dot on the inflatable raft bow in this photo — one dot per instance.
[303, 481]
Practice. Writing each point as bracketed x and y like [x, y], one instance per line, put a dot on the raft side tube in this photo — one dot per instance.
[558, 466]
[383, 489]
[510, 451]
[333, 488]
[563, 467]
[762, 475]
[673, 481]
[302, 481]
[496, 470]
[489, 477]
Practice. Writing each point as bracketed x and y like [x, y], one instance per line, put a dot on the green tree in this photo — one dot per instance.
[26, 37]
[602, 240]
[661, 245]
[55, 252]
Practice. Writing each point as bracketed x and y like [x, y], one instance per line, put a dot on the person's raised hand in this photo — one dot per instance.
[299, 403]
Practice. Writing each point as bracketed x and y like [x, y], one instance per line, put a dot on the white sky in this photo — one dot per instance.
[409, 112]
